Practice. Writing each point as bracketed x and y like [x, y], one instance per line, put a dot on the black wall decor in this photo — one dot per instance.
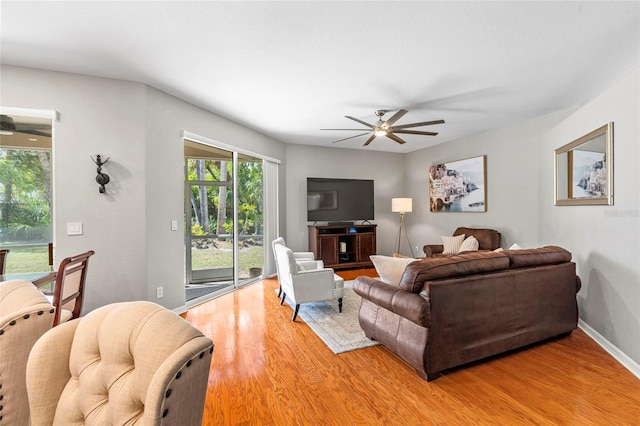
[101, 178]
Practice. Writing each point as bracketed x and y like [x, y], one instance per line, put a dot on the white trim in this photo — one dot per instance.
[29, 112]
[212, 142]
[611, 349]
[180, 310]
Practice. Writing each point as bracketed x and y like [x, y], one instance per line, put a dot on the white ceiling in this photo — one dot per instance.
[290, 68]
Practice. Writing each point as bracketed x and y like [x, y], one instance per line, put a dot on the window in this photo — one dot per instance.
[25, 192]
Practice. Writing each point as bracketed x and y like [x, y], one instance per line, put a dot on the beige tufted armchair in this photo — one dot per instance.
[130, 363]
[25, 315]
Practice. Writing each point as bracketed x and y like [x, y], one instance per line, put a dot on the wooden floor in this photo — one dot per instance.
[267, 370]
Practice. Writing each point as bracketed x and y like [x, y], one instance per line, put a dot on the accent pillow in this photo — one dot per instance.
[498, 250]
[469, 244]
[390, 268]
[452, 245]
[515, 246]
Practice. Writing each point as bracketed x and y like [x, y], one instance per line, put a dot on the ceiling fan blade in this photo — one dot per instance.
[395, 117]
[357, 130]
[350, 137]
[373, 136]
[423, 123]
[395, 138]
[371, 126]
[416, 132]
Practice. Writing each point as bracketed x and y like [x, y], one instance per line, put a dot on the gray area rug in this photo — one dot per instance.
[340, 331]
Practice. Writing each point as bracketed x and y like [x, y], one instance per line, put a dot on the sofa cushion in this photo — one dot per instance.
[390, 269]
[547, 255]
[433, 268]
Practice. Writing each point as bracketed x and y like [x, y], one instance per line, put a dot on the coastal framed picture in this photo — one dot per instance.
[459, 186]
[584, 169]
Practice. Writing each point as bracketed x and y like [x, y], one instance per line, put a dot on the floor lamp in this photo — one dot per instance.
[402, 206]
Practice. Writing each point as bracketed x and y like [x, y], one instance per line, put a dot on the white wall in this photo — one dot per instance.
[139, 128]
[386, 169]
[97, 116]
[512, 184]
[604, 240]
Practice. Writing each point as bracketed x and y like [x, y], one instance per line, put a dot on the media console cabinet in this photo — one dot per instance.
[343, 246]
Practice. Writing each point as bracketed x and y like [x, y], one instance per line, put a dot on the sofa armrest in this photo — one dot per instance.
[303, 255]
[48, 371]
[309, 265]
[431, 249]
[408, 305]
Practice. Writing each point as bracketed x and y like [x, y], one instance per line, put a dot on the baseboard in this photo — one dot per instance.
[612, 350]
[180, 310]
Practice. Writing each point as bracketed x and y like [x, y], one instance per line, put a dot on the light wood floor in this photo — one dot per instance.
[267, 370]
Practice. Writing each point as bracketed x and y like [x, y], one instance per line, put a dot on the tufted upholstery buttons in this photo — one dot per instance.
[13, 322]
[40, 312]
[26, 316]
[118, 355]
[201, 355]
[189, 363]
[1, 332]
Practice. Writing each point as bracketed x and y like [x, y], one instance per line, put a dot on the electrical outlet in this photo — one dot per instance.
[159, 292]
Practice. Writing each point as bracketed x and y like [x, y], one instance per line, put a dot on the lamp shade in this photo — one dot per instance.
[401, 205]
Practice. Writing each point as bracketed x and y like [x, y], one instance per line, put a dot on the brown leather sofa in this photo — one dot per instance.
[488, 239]
[450, 311]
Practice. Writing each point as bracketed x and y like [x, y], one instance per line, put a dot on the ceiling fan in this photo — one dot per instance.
[387, 128]
[9, 127]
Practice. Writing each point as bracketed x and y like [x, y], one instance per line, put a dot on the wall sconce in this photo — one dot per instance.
[101, 178]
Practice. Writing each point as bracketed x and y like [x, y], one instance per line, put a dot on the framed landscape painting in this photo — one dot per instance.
[459, 186]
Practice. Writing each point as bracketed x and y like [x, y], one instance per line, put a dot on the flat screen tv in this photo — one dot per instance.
[335, 200]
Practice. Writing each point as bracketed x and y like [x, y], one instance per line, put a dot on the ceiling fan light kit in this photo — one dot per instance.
[386, 128]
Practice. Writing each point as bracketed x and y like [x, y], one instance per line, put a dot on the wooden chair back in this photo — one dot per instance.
[68, 293]
[3, 260]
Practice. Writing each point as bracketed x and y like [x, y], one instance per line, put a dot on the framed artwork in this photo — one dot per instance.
[584, 169]
[459, 186]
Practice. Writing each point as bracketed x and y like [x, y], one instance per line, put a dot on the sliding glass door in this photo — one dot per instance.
[224, 219]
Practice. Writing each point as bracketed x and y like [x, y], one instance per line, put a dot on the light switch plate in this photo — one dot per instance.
[74, 228]
[174, 225]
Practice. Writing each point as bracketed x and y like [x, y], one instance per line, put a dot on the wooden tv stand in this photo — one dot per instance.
[343, 246]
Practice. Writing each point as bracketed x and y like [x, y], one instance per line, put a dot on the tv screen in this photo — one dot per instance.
[330, 199]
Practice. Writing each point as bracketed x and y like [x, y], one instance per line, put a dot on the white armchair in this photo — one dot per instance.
[304, 286]
[304, 259]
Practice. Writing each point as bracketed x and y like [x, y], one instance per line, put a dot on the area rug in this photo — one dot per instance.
[340, 331]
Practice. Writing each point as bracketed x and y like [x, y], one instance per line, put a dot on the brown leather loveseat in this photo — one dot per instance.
[450, 311]
[488, 239]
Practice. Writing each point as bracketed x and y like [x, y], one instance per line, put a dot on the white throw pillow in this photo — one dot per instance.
[469, 244]
[515, 247]
[452, 244]
[390, 268]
